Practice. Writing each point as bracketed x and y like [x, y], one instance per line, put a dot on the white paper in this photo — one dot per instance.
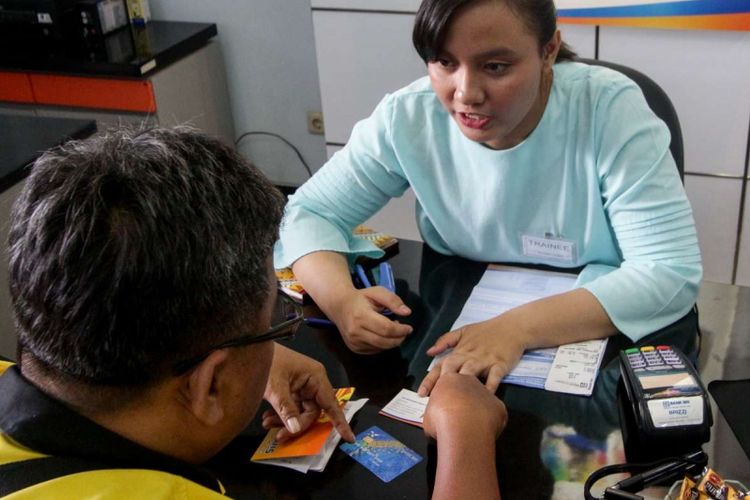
[575, 367]
[407, 406]
[318, 462]
[572, 370]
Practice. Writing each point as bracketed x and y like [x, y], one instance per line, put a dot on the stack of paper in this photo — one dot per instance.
[570, 368]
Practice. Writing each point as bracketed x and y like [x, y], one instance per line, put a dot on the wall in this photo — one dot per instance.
[364, 51]
[271, 73]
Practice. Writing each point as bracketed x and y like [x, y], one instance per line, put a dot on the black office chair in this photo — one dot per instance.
[662, 106]
[658, 101]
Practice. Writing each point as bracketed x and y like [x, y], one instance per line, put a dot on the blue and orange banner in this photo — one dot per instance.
[680, 14]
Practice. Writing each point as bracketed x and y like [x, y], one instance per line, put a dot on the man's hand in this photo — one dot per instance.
[459, 403]
[298, 388]
[364, 329]
[466, 420]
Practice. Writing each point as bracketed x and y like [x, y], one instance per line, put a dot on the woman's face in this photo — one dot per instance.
[489, 75]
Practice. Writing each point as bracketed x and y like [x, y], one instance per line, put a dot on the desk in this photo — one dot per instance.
[552, 442]
[22, 139]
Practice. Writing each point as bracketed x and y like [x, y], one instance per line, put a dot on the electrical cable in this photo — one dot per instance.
[281, 138]
[646, 474]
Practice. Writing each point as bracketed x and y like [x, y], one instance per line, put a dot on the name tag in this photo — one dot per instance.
[548, 248]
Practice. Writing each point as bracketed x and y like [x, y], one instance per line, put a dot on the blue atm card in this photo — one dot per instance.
[381, 453]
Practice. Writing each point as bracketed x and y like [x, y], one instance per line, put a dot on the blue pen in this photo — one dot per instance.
[362, 275]
[313, 321]
[386, 276]
[385, 279]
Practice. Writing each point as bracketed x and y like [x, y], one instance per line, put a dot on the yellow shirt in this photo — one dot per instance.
[101, 484]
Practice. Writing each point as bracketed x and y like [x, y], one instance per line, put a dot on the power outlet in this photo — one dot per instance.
[315, 122]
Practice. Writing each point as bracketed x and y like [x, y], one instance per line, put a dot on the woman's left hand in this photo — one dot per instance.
[488, 350]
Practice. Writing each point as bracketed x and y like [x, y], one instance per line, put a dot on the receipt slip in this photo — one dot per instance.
[407, 406]
[308, 443]
[575, 367]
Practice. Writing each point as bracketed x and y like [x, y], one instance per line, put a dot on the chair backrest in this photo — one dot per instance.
[658, 101]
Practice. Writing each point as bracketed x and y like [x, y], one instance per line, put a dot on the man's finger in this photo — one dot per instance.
[271, 419]
[287, 410]
[327, 401]
[310, 414]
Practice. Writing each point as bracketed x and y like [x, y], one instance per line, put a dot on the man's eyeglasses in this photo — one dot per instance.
[287, 316]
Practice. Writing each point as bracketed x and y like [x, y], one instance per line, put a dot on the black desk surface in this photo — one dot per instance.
[130, 51]
[23, 138]
[552, 442]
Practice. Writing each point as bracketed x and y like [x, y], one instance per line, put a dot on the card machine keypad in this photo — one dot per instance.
[654, 359]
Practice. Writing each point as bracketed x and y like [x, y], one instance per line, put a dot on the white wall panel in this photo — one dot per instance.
[331, 149]
[268, 49]
[715, 208]
[743, 263]
[581, 38]
[361, 57]
[706, 74]
[398, 5]
[398, 218]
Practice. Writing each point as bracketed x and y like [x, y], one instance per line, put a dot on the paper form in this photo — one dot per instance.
[571, 368]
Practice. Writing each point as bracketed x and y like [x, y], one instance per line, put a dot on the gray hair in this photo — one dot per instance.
[133, 249]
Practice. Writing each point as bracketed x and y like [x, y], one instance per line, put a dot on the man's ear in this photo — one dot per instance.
[203, 391]
[551, 48]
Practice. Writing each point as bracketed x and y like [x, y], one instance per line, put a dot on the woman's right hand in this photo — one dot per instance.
[357, 314]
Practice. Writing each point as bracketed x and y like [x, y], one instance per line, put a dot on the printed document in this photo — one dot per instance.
[570, 368]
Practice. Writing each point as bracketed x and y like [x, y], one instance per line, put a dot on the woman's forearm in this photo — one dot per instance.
[560, 319]
[325, 276]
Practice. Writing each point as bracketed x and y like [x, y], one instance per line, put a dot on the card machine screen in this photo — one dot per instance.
[665, 385]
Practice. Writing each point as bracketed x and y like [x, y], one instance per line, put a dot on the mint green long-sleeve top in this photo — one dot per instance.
[593, 185]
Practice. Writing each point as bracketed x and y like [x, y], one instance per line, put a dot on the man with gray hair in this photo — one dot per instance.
[146, 307]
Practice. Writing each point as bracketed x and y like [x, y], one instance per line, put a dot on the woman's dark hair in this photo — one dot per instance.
[434, 18]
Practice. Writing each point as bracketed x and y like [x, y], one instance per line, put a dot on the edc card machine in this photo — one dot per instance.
[664, 408]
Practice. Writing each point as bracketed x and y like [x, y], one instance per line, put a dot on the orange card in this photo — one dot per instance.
[308, 443]
[305, 444]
